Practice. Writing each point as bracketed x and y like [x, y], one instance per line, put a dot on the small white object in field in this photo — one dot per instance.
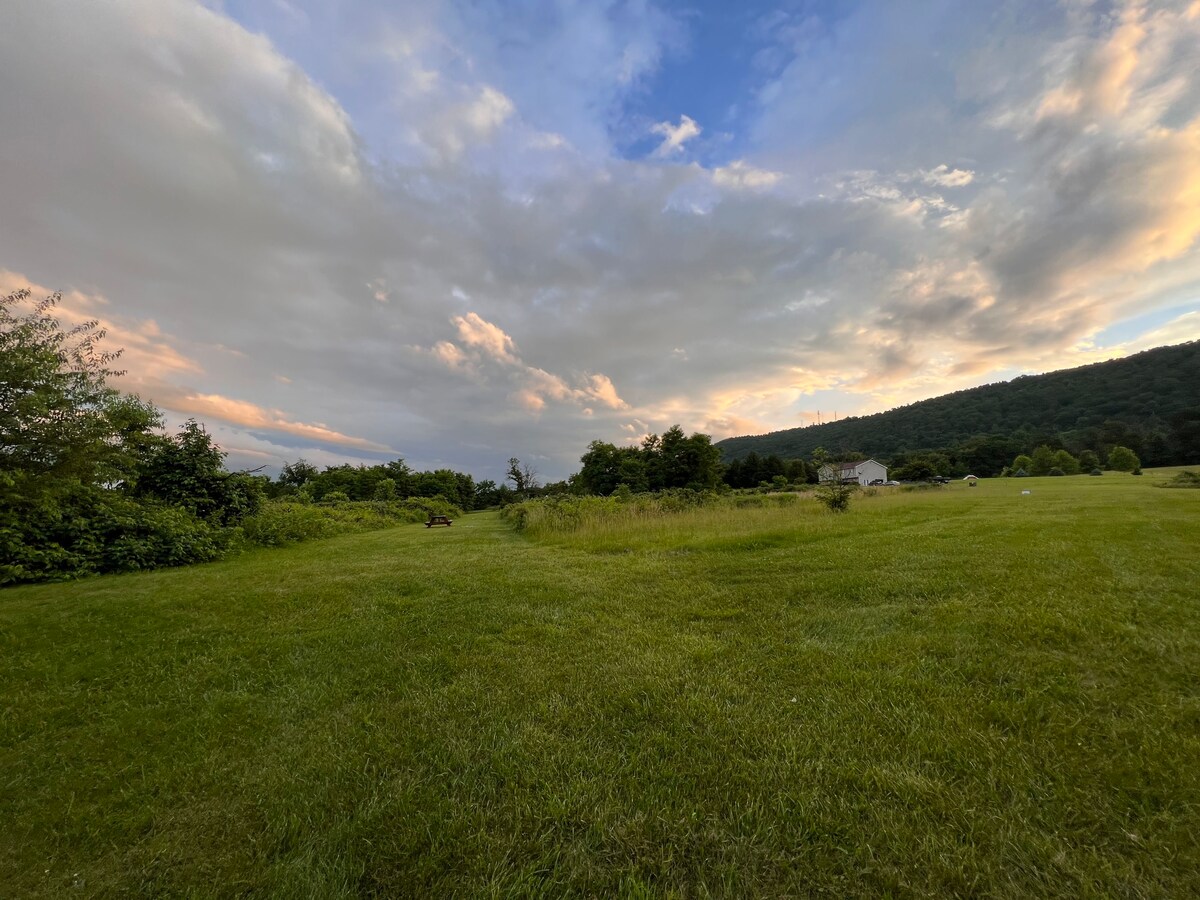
[1026, 492]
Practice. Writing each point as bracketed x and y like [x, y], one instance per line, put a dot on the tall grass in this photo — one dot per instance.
[573, 515]
[287, 522]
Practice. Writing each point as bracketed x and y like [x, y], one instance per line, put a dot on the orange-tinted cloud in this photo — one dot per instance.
[489, 342]
[145, 349]
[250, 415]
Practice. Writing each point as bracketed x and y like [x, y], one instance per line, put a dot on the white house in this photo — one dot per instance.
[864, 472]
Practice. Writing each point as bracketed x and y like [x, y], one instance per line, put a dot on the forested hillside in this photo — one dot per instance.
[1150, 401]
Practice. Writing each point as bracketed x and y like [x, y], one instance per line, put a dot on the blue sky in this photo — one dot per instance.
[462, 231]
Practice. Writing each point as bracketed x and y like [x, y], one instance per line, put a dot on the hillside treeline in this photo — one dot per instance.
[1149, 402]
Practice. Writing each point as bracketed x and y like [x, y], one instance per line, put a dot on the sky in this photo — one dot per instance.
[457, 232]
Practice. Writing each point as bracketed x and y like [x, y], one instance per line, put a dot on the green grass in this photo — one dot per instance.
[955, 692]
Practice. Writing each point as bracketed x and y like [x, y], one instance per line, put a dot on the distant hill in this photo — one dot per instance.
[1141, 390]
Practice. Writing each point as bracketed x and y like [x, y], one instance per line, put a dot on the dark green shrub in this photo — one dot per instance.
[78, 530]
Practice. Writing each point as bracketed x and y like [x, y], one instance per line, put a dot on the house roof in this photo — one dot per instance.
[851, 466]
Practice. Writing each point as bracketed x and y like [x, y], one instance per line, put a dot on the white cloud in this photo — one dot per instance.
[675, 136]
[944, 176]
[601, 389]
[1179, 330]
[475, 120]
[491, 344]
[739, 174]
[475, 332]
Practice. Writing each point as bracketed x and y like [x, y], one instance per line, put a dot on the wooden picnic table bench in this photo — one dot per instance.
[438, 520]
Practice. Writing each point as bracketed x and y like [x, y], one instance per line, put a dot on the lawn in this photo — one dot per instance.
[966, 691]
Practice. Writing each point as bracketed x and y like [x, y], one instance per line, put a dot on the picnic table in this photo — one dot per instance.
[438, 520]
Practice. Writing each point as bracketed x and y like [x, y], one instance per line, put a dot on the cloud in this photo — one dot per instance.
[944, 176]
[449, 354]
[486, 337]
[1099, 81]
[428, 233]
[603, 391]
[675, 136]
[250, 415]
[738, 174]
[1179, 330]
[490, 343]
[474, 120]
[144, 348]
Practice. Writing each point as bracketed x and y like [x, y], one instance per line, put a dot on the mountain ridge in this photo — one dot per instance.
[1143, 390]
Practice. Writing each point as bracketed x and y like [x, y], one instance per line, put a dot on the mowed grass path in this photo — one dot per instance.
[963, 692]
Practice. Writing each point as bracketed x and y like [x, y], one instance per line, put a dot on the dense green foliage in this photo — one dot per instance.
[754, 470]
[939, 693]
[82, 488]
[1148, 402]
[384, 481]
[659, 463]
[1123, 460]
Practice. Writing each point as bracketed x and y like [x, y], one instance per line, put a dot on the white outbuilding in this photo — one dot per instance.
[865, 472]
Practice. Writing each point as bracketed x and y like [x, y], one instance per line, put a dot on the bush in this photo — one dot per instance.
[283, 522]
[1184, 480]
[835, 496]
[1123, 459]
[80, 530]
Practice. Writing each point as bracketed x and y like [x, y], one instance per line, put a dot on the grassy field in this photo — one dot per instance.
[967, 692]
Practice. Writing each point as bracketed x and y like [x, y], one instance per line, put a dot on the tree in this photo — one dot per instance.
[1066, 463]
[601, 467]
[987, 456]
[523, 476]
[922, 467]
[297, 474]
[1088, 460]
[1185, 436]
[831, 492]
[1023, 463]
[689, 462]
[1043, 461]
[385, 490]
[59, 419]
[488, 493]
[72, 454]
[188, 470]
[1122, 459]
